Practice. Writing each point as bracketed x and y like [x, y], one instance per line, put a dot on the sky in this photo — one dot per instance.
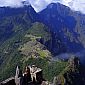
[39, 5]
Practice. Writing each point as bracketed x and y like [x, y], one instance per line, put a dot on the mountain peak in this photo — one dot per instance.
[25, 3]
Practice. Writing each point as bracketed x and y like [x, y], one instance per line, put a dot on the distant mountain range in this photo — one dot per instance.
[53, 31]
[67, 26]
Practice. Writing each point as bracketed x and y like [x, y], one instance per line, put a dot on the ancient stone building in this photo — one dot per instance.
[31, 76]
[9, 81]
[36, 74]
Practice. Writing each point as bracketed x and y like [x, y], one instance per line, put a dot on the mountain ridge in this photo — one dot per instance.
[63, 23]
[66, 30]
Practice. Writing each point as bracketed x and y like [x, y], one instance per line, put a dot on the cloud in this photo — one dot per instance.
[11, 3]
[38, 5]
[76, 5]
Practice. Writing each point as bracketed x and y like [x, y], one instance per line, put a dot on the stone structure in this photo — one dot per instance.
[74, 63]
[9, 81]
[31, 76]
[36, 74]
[17, 78]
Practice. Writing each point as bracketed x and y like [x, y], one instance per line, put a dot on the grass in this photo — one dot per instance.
[50, 69]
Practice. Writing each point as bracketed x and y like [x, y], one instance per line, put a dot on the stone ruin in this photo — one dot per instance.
[9, 81]
[32, 76]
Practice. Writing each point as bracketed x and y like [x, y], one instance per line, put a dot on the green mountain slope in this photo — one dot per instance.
[73, 74]
[24, 47]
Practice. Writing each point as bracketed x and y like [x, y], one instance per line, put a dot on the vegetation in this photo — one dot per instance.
[11, 53]
[40, 30]
[73, 74]
[23, 41]
[50, 68]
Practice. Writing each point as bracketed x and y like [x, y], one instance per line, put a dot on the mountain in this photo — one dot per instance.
[30, 37]
[66, 24]
[73, 74]
[22, 45]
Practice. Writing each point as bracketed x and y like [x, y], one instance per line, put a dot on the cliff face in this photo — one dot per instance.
[72, 75]
[66, 24]
[67, 27]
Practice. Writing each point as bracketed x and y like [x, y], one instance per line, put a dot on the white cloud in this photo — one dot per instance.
[38, 5]
[11, 3]
[76, 5]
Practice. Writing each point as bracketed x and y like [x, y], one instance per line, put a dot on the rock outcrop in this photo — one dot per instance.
[9, 81]
[74, 74]
[32, 76]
